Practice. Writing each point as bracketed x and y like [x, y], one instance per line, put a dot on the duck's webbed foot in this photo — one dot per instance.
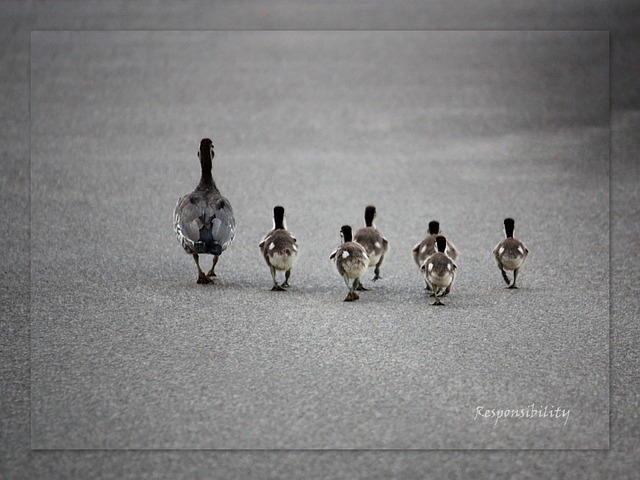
[437, 302]
[202, 278]
[351, 296]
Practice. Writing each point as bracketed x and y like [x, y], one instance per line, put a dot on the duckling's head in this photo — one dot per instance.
[278, 217]
[369, 215]
[346, 233]
[509, 226]
[441, 243]
[434, 227]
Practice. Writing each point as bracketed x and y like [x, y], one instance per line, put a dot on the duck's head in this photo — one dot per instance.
[206, 149]
[441, 243]
[509, 226]
[369, 215]
[278, 217]
[434, 227]
[346, 233]
[205, 154]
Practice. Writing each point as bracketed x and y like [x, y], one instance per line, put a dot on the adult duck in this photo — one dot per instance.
[203, 219]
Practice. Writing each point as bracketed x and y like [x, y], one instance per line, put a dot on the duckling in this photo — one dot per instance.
[510, 253]
[351, 260]
[279, 249]
[427, 247]
[373, 242]
[439, 270]
[203, 219]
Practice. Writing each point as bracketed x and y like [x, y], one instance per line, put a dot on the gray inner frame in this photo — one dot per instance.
[464, 127]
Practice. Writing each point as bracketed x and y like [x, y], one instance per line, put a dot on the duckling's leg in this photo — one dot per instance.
[515, 276]
[346, 281]
[377, 269]
[359, 286]
[275, 287]
[211, 272]
[435, 294]
[430, 288]
[447, 290]
[287, 274]
[352, 295]
[202, 278]
[505, 276]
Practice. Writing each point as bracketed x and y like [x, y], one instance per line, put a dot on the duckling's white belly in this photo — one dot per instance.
[352, 265]
[443, 280]
[353, 269]
[374, 259]
[282, 261]
[511, 263]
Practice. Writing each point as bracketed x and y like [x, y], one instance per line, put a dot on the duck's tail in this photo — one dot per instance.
[209, 246]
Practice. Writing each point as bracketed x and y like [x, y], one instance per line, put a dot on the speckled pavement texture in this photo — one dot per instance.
[117, 365]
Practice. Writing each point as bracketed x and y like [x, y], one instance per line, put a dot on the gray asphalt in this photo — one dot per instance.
[127, 352]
